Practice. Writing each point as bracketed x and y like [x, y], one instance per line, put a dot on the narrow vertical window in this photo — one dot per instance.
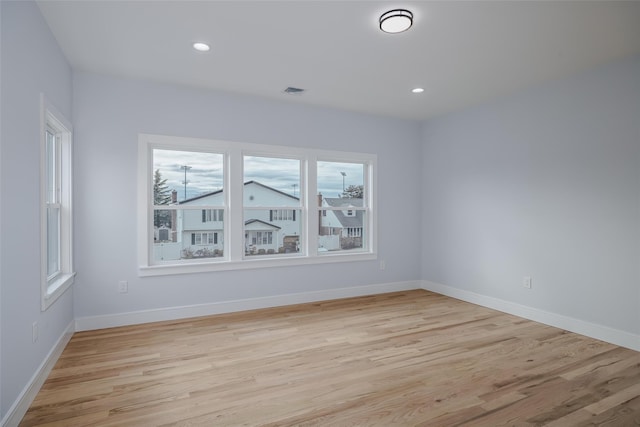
[52, 172]
[56, 213]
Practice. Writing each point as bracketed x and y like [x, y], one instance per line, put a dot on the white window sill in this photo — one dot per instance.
[56, 288]
[200, 267]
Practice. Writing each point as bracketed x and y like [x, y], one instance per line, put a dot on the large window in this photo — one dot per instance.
[56, 223]
[212, 205]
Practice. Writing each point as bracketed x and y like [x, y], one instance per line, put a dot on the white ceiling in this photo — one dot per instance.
[462, 53]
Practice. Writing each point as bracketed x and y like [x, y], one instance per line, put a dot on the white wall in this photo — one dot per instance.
[545, 183]
[108, 115]
[31, 63]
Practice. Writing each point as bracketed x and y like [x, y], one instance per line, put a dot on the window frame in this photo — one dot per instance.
[212, 215]
[234, 248]
[53, 122]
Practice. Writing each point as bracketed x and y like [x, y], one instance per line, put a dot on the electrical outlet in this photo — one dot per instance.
[34, 332]
[526, 282]
[123, 286]
[383, 264]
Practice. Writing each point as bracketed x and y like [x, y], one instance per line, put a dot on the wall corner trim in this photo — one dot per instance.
[582, 327]
[183, 312]
[24, 400]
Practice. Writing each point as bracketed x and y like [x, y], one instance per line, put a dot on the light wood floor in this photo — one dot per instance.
[400, 359]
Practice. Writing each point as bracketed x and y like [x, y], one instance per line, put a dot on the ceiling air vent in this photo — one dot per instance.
[293, 90]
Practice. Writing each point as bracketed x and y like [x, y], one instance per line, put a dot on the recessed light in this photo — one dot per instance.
[201, 47]
[417, 90]
[396, 21]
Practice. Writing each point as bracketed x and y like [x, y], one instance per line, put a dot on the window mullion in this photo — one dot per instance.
[235, 230]
[312, 216]
[58, 167]
[371, 187]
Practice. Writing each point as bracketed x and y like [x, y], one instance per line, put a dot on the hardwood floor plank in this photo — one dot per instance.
[410, 358]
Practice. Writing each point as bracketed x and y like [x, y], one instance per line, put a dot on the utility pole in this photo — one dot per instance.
[185, 182]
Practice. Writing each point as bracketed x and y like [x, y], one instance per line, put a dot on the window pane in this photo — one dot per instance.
[183, 235]
[51, 172]
[53, 241]
[341, 233]
[336, 180]
[212, 215]
[269, 176]
[266, 233]
[186, 176]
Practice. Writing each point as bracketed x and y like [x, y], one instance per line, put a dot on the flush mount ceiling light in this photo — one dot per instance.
[201, 47]
[396, 21]
[417, 90]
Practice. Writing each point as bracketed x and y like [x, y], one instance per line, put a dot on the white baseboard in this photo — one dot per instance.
[24, 400]
[183, 312]
[593, 330]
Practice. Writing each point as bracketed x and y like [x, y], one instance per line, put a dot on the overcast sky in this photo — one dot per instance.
[205, 173]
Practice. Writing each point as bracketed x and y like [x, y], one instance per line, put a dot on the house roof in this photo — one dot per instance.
[258, 221]
[345, 202]
[202, 196]
[272, 189]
